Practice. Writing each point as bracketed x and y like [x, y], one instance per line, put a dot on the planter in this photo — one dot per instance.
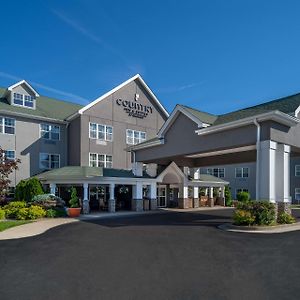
[74, 212]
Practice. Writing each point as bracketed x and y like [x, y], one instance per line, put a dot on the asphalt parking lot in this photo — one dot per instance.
[173, 255]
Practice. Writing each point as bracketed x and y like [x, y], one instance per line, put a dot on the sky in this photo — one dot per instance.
[215, 55]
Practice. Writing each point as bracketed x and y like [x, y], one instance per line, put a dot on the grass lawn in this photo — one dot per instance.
[11, 223]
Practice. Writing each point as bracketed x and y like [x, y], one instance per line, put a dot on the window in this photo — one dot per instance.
[10, 154]
[101, 132]
[217, 172]
[241, 172]
[101, 160]
[240, 190]
[297, 194]
[297, 170]
[10, 193]
[7, 125]
[50, 132]
[134, 137]
[49, 161]
[23, 100]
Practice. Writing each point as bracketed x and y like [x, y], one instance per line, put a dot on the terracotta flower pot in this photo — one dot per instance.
[74, 212]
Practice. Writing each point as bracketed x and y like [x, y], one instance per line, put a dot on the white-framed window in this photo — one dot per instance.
[239, 191]
[7, 125]
[217, 172]
[10, 154]
[297, 170]
[100, 160]
[49, 161]
[134, 137]
[101, 132]
[297, 194]
[23, 100]
[50, 132]
[241, 172]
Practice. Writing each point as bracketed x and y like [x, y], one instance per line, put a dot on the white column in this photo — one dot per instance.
[185, 191]
[223, 192]
[85, 202]
[153, 195]
[211, 192]
[52, 188]
[196, 177]
[283, 173]
[111, 201]
[137, 203]
[267, 171]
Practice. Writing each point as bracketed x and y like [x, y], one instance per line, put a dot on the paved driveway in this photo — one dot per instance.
[162, 256]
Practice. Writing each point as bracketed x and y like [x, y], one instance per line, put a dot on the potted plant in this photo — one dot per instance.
[74, 209]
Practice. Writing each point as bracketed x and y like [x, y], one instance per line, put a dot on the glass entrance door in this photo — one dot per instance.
[162, 196]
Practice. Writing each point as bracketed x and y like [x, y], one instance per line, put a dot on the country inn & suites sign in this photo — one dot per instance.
[135, 109]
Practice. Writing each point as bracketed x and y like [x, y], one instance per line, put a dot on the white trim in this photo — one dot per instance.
[276, 116]
[97, 159]
[213, 168]
[297, 193]
[105, 133]
[7, 150]
[3, 125]
[171, 167]
[297, 111]
[221, 152]
[175, 113]
[242, 172]
[139, 133]
[146, 145]
[136, 77]
[10, 88]
[49, 132]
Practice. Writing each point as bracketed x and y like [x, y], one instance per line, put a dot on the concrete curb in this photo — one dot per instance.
[261, 229]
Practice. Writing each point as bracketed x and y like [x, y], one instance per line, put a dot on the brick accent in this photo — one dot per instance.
[146, 204]
[196, 203]
[211, 202]
[185, 203]
[153, 204]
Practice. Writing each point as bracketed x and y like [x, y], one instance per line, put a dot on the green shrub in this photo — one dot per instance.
[22, 213]
[35, 212]
[285, 218]
[74, 199]
[2, 214]
[243, 196]
[50, 213]
[263, 212]
[228, 197]
[243, 217]
[12, 208]
[48, 201]
[27, 189]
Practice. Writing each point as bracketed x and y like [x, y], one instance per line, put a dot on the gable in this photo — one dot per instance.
[131, 103]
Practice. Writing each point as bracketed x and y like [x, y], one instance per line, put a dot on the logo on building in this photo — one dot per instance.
[135, 109]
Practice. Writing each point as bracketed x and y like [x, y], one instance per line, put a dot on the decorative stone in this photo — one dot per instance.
[211, 202]
[137, 205]
[153, 204]
[85, 207]
[196, 203]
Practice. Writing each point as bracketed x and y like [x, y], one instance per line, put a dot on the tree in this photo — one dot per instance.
[7, 166]
[27, 189]
[74, 199]
[228, 197]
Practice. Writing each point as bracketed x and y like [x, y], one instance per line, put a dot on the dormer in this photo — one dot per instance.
[22, 94]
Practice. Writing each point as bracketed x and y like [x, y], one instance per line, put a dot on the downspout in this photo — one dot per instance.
[257, 179]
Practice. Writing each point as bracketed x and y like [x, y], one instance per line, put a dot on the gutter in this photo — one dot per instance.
[145, 145]
[276, 116]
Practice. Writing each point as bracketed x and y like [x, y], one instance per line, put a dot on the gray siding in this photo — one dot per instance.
[28, 145]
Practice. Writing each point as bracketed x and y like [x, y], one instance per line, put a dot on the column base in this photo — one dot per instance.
[284, 207]
[85, 207]
[185, 203]
[210, 202]
[153, 204]
[221, 201]
[112, 205]
[196, 203]
[137, 205]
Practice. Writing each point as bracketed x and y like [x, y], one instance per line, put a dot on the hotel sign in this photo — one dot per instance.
[135, 109]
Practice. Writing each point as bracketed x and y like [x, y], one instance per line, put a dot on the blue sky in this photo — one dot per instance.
[213, 55]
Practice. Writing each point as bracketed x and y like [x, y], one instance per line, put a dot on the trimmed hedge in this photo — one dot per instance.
[243, 196]
[27, 189]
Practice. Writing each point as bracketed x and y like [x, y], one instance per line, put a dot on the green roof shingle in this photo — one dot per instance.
[45, 107]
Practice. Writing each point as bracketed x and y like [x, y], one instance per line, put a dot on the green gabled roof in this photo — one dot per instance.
[77, 172]
[45, 107]
[286, 105]
[201, 115]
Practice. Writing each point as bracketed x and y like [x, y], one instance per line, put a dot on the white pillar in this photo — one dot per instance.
[111, 201]
[196, 188]
[153, 195]
[211, 192]
[267, 171]
[137, 201]
[52, 188]
[283, 173]
[85, 202]
[223, 192]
